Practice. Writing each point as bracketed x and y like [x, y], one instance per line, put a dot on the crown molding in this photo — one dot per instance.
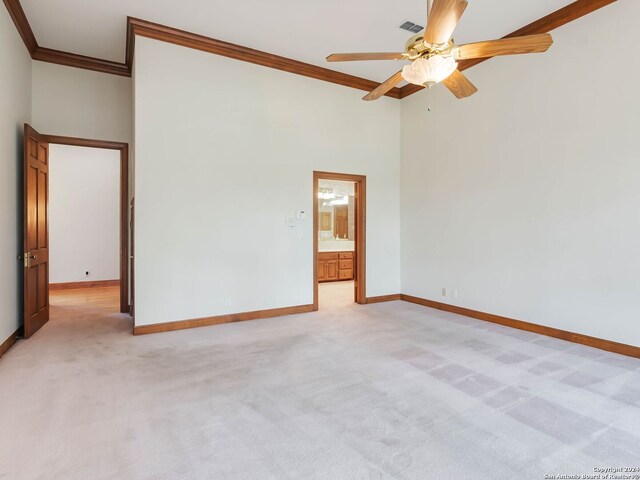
[43, 54]
[561, 17]
[59, 57]
[21, 22]
[144, 28]
[136, 26]
[175, 36]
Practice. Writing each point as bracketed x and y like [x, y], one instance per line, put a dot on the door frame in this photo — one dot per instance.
[360, 289]
[124, 202]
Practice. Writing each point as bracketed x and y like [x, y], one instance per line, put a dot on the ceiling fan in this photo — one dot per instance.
[434, 55]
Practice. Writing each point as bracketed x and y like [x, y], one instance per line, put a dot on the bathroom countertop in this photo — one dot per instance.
[336, 246]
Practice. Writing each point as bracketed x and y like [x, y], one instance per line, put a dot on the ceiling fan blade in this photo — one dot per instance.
[384, 87]
[459, 85]
[350, 57]
[443, 19]
[505, 46]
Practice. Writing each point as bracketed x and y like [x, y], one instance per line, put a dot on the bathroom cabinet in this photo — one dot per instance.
[333, 266]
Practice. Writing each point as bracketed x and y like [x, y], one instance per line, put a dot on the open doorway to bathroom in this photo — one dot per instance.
[339, 239]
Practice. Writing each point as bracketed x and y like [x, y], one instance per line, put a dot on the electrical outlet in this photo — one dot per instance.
[227, 301]
[444, 292]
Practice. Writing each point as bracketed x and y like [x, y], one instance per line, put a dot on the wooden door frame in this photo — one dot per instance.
[124, 202]
[360, 232]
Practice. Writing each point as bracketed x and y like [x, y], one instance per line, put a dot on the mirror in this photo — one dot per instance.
[336, 215]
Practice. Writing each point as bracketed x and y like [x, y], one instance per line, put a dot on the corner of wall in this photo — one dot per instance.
[15, 98]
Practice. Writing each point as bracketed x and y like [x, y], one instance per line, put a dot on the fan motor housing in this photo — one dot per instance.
[416, 47]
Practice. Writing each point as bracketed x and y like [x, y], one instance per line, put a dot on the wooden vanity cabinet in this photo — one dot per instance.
[334, 266]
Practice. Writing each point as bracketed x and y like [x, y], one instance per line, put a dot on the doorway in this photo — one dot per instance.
[36, 257]
[339, 239]
[83, 218]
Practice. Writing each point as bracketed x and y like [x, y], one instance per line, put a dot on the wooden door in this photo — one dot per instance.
[132, 277]
[36, 231]
[358, 231]
[341, 221]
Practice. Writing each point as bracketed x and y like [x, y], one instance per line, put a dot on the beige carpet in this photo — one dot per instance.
[387, 391]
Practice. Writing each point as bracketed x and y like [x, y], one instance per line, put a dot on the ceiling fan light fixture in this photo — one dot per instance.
[429, 71]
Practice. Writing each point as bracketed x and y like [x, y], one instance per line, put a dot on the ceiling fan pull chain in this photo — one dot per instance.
[429, 98]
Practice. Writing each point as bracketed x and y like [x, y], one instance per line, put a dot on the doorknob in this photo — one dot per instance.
[27, 258]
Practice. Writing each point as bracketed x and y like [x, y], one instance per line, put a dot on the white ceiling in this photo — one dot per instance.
[300, 29]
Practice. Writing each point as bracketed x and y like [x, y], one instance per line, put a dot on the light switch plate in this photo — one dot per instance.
[301, 214]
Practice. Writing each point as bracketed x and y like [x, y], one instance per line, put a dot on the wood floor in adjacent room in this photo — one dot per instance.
[384, 391]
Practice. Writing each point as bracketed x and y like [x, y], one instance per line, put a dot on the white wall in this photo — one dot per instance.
[526, 197]
[84, 225]
[15, 109]
[80, 103]
[213, 135]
